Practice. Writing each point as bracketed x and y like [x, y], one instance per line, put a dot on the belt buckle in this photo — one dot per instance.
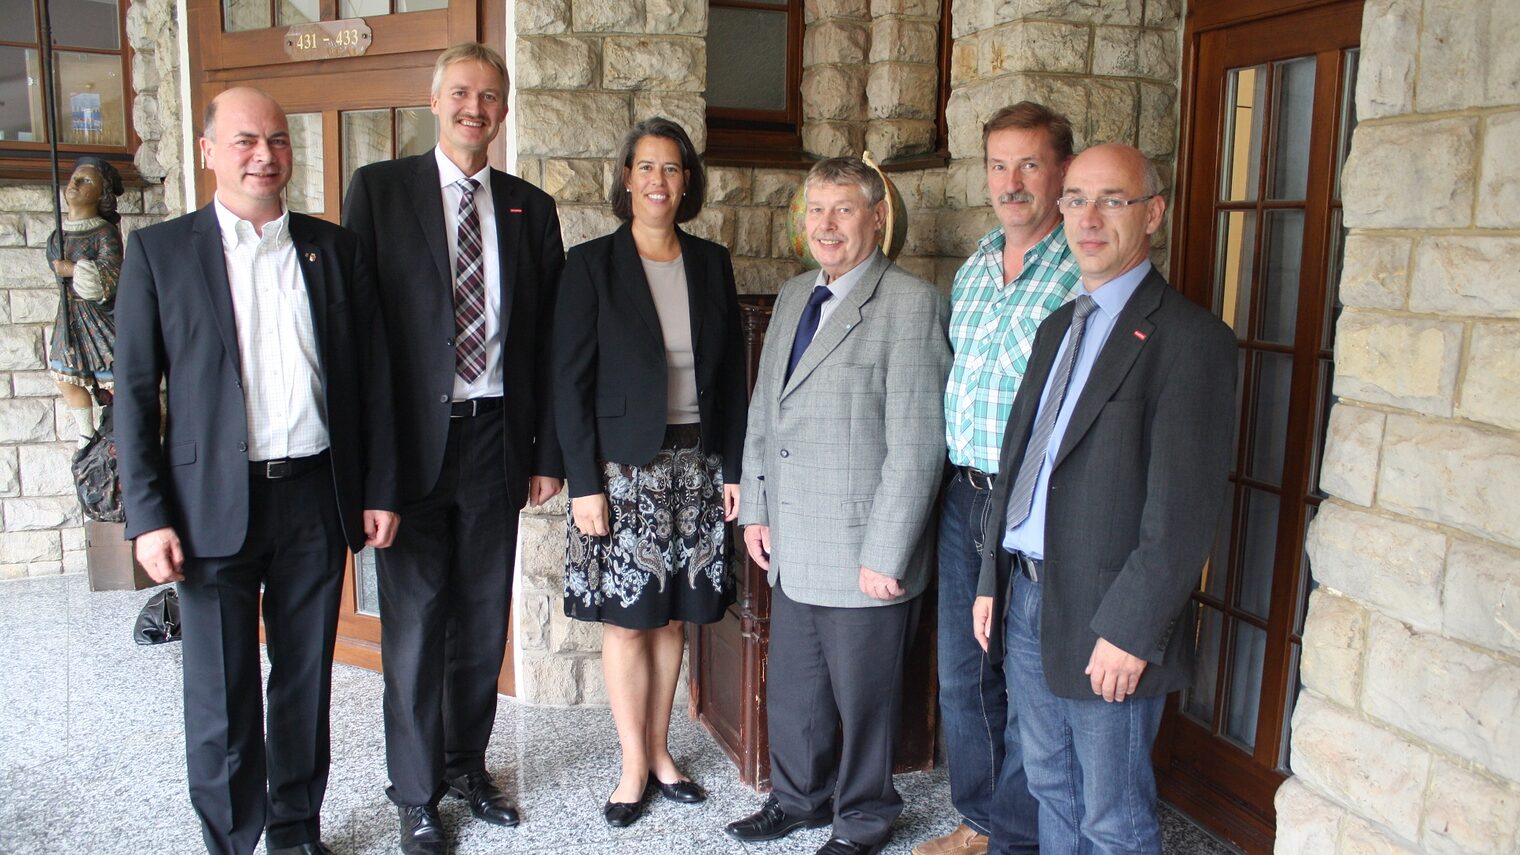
[275, 470]
[976, 474]
[474, 409]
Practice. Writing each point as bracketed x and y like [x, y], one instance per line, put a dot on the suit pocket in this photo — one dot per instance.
[180, 454]
[611, 406]
[854, 513]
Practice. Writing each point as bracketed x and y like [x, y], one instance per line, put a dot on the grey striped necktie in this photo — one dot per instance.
[1022, 498]
[469, 289]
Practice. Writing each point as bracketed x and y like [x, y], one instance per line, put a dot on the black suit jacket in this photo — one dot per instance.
[1137, 490]
[174, 321]
[396, 208]
[609, 366]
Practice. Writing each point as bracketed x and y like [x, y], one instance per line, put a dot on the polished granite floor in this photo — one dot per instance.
[92, 762]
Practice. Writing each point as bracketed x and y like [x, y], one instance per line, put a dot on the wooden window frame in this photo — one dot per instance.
[30, 161]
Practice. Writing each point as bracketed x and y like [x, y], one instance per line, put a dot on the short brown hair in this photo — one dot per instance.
[849, 170]
[471, 52]
[696, 185]
[1029, 116]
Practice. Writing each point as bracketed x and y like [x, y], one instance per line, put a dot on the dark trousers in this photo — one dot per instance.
[837, 670]
[987, 782]
[445, 589]
[241, 777]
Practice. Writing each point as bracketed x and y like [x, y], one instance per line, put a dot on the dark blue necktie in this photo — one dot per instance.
[807, 327]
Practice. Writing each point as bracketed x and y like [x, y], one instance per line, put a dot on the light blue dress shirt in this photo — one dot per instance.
[1028, 537]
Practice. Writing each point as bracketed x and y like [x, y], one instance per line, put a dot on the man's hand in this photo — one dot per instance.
[591, 514]
[542, 488]
[730, 502]
[380, 528]
[1114, 673]
[981, 621]
[879, 587]
[757, 540]
[159, 552]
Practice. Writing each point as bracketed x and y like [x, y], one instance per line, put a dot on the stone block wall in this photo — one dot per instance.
[1407, 735]
[40, 531]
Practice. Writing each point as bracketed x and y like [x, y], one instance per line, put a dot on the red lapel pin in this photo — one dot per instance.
[514, 210]
[1140, 335]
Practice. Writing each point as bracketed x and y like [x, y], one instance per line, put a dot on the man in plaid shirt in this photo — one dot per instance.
[1020, 273]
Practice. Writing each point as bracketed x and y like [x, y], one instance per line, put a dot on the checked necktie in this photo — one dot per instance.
[469, 289]
[807, 327]
[1021, 500]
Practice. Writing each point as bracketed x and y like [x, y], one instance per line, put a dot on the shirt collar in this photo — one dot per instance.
[448, 172]
[236, 230]
[993, 242]
[843, 284]
[1112, 295]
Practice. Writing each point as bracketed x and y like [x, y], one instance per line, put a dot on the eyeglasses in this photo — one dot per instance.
[1102, 204]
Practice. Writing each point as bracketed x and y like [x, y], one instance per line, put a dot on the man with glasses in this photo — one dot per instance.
[1020, 273]
[1118, 453]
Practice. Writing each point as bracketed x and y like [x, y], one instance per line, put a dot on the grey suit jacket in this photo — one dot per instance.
[1137, 491]
[844, 460]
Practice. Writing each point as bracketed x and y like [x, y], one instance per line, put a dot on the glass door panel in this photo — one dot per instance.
[304, 193]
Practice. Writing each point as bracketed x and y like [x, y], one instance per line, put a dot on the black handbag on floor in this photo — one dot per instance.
[159, 620]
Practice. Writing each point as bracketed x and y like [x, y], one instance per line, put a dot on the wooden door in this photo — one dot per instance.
[1259, 241]
[344, 111]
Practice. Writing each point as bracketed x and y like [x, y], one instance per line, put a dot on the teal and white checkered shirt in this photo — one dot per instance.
[992, 328]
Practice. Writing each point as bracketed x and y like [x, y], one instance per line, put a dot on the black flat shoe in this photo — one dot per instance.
[624, 814]
[685, 792]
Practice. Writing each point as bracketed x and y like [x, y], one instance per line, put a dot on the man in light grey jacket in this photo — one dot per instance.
[841, 465]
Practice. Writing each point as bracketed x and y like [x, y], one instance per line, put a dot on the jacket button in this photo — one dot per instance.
[702, 393]
[443, 399]
[785, 453]
[242, 446]
[239, 382]
[449, 341]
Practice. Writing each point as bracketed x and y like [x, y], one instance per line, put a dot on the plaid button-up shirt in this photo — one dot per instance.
[992, 329]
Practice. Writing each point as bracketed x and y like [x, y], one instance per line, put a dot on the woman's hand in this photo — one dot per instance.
[730, 502]
[590, 514]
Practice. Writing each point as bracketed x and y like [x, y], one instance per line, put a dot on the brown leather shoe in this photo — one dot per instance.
[962, 841]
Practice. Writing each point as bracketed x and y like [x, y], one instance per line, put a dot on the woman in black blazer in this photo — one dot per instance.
[650, 403]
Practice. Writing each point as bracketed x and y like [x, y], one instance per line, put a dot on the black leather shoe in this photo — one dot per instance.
[318, 848]
[422, 831]
[771, 822]
[840, 846]
[486, 800]
[624, 814]
[685, 792]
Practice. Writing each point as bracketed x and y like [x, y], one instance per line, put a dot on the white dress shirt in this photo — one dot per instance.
[840, 287]
[489, 383]
[282, 383]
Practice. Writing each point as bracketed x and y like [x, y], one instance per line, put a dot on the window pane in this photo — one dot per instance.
[1326, 376]
[1236, 256]
[297, 12]
[85, 23]
[1294, 118]
[18, 23]
[304, 193]
[1348, 115]
[366, 139]
[1258, 551]
[363, 8]
[1291, 702]
[1284, 238]
[1198, 700]
[1217, 568]
[1333, 280]
[91, 105]
[420, 5]
[746, 59]
[1245, 683]
[416, 130]
[1269, 421]
[1245, 88]
[239, 15]
[20, 96]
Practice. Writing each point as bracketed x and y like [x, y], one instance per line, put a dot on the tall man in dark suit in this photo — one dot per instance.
[1121, 436]
[278, 456]
[468, 259]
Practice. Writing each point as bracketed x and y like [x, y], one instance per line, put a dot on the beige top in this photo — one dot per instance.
[667, 285]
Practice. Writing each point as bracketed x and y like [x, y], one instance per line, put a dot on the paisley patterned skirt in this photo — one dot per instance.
[666, 557]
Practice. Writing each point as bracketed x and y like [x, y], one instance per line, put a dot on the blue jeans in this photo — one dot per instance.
[987, 784]
[1089, 761]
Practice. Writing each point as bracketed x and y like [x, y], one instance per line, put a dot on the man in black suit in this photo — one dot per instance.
[278, 456]
[468, 259]
[1122, 431]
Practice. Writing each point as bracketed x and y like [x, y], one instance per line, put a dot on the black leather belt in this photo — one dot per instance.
[286, 467]
[978, 479]
[474, 407]
[1030, 567]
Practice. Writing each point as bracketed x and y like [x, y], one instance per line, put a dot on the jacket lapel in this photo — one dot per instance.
[697, 297]
[839, 323]
[1114, 361]
[628, 274]
[428, 206]
[313, 264]
[509, 228]
[213, 261]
